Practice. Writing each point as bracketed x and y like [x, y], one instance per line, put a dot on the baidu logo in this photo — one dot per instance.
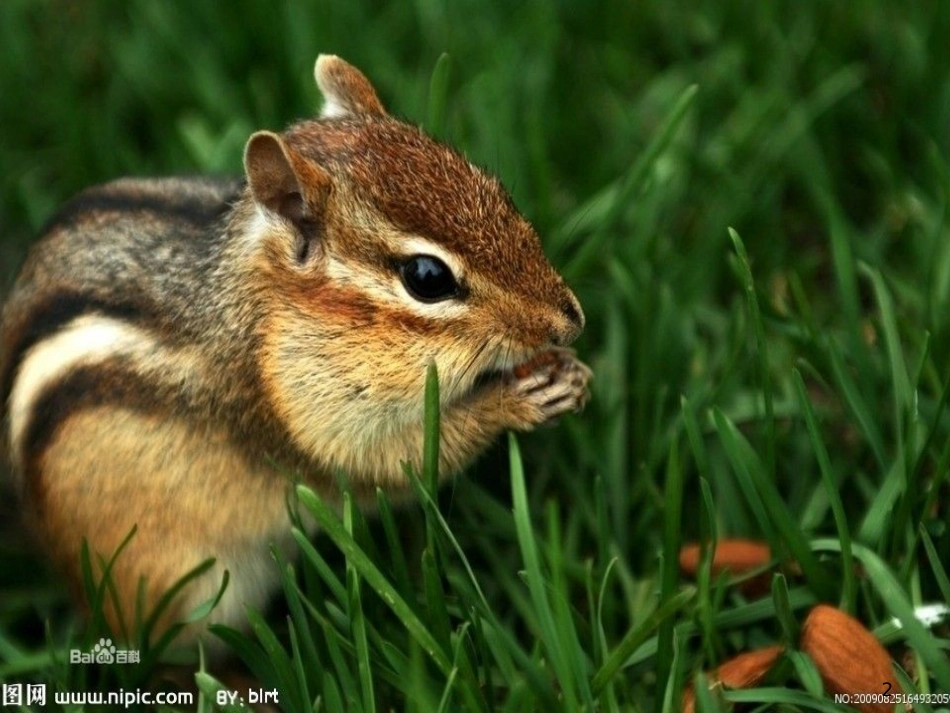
[104, 652]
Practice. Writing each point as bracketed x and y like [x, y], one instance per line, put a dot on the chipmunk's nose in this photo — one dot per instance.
[569, 322]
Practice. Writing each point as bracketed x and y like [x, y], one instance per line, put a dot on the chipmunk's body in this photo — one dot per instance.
[174, 348]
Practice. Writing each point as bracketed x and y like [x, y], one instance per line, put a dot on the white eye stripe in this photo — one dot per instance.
[446, 309]
[387, 287]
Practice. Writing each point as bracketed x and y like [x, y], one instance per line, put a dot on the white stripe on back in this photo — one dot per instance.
[86, 340]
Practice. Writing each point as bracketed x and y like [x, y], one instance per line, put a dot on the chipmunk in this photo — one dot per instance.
[174, 347]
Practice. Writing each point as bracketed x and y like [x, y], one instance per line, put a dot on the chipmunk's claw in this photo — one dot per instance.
[552, 386]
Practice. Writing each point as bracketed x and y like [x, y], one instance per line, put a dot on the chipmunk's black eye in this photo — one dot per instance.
[428, 279]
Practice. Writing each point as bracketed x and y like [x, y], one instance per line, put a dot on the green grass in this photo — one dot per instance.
[751, 202]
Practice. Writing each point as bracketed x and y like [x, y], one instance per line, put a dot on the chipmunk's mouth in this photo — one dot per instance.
[508, 369]
[488, 377]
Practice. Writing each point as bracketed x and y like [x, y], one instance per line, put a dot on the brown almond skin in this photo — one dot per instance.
[743, 671]
[735, 556]
[748, 669]
[542, 359]
[848, 656]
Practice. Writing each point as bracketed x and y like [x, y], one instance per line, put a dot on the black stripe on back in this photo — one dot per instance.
[82, 388]
[196, 209]
[58, 310]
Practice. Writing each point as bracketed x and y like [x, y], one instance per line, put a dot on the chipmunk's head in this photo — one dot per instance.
[384, 251]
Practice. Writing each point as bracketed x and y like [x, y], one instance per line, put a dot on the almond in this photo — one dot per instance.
[524, 369]
[735, 556]
[744, 671]
[848, 657]
[748, 669]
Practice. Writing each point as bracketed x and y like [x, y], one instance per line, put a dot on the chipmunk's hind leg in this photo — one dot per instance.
[181, 491]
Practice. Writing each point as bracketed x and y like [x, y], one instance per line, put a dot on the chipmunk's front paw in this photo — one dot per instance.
[546, 387]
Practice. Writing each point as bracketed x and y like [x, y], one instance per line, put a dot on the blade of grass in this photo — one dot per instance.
[778, 696]
[25, 663]
[942, 470]
[669, 563]
[866, 421]
[396, 550]
[672, 687]
[764, 609]
[429, 484]
[696, 443]
[755, 316]
[560, 596]
[438, 96]
[246, 650]
[430, 455]
[741, 467]
[904, 406]
[483, 655]
[310, 553]
[164, 602]
[602, 522]
[631, 184]
[842, 258]
[438, 615]
[600, 636]
[537, 587]
[806, 672]
[364, 669]
[706, 700]
[432, 507]
[897, 602]
[900, 382]
[447, 692]
[331, 525]
[528, 668]
[709, 537]
[332, 694]
[783, 609]
[96, 591]
[300, 668]
[462, 663]
[340, 651]
[608, 696]
[939, 572]
[878, 522]
[747, 467]
[520, 665]
[205, 608]
[849, 589]
[636, 636]
[278, 659]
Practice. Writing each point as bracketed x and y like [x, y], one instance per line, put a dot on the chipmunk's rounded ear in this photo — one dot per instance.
[346, 91]
[283, 181]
